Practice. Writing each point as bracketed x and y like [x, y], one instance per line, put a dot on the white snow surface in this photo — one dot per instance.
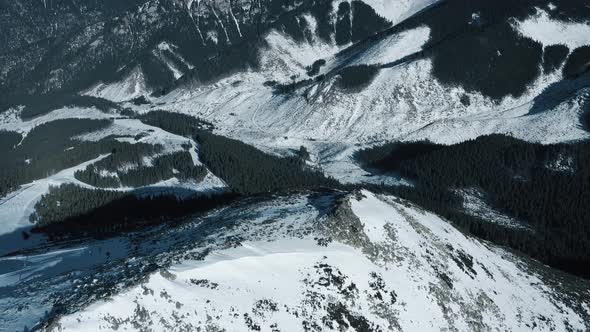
[542, 28]
[407, 270]
[131, 87]
[402, 103]
[286, 57]
[210, 185]
[11, 121]
[397, 11]
[395, 47]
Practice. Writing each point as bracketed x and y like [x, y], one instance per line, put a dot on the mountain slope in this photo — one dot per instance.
[88, 42]
[375, 263]
[281, 76]
[112, 97]
[405, 99]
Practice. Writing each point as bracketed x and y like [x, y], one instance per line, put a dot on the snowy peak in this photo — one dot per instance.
[375, 263]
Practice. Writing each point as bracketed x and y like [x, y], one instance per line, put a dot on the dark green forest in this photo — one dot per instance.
[365, 21]
[47, 149]
[52, 147]
[178, 164]
[69, 210]
[577, 63]
[546, 186]
[343, 24]
[477, 52]
[176, 123]
[248, 170]
[9, 140]
[314, 69]
[553, 57]
[355, 78]
[245, 169]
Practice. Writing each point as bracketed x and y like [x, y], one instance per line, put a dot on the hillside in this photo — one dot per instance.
[380, 145]
[387, 266]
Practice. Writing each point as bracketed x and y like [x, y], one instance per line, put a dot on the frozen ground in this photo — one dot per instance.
[42, 278]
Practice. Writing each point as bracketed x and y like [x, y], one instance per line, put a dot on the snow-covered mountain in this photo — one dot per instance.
[64, 45]
[373, 263]
[98, 94]
[419, 88]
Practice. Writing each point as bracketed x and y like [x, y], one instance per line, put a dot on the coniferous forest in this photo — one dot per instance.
[245, 169]
[248, 170]
[546, 186]
[177, 123]
[72, 210]
[46, 149]
[108, 172]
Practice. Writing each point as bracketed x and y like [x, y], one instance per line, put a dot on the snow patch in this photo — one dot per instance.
[131, 87]
[395, 47]
[11, 120]
[474, 203]
[547, 31]
[397, 11]
[286, 57]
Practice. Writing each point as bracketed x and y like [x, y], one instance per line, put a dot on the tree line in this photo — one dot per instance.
[248, 170]
[244, 168]
[70, 210]
[37, 105]
[172, 165]
[47, 149]
[547, 186]
[176, 123]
